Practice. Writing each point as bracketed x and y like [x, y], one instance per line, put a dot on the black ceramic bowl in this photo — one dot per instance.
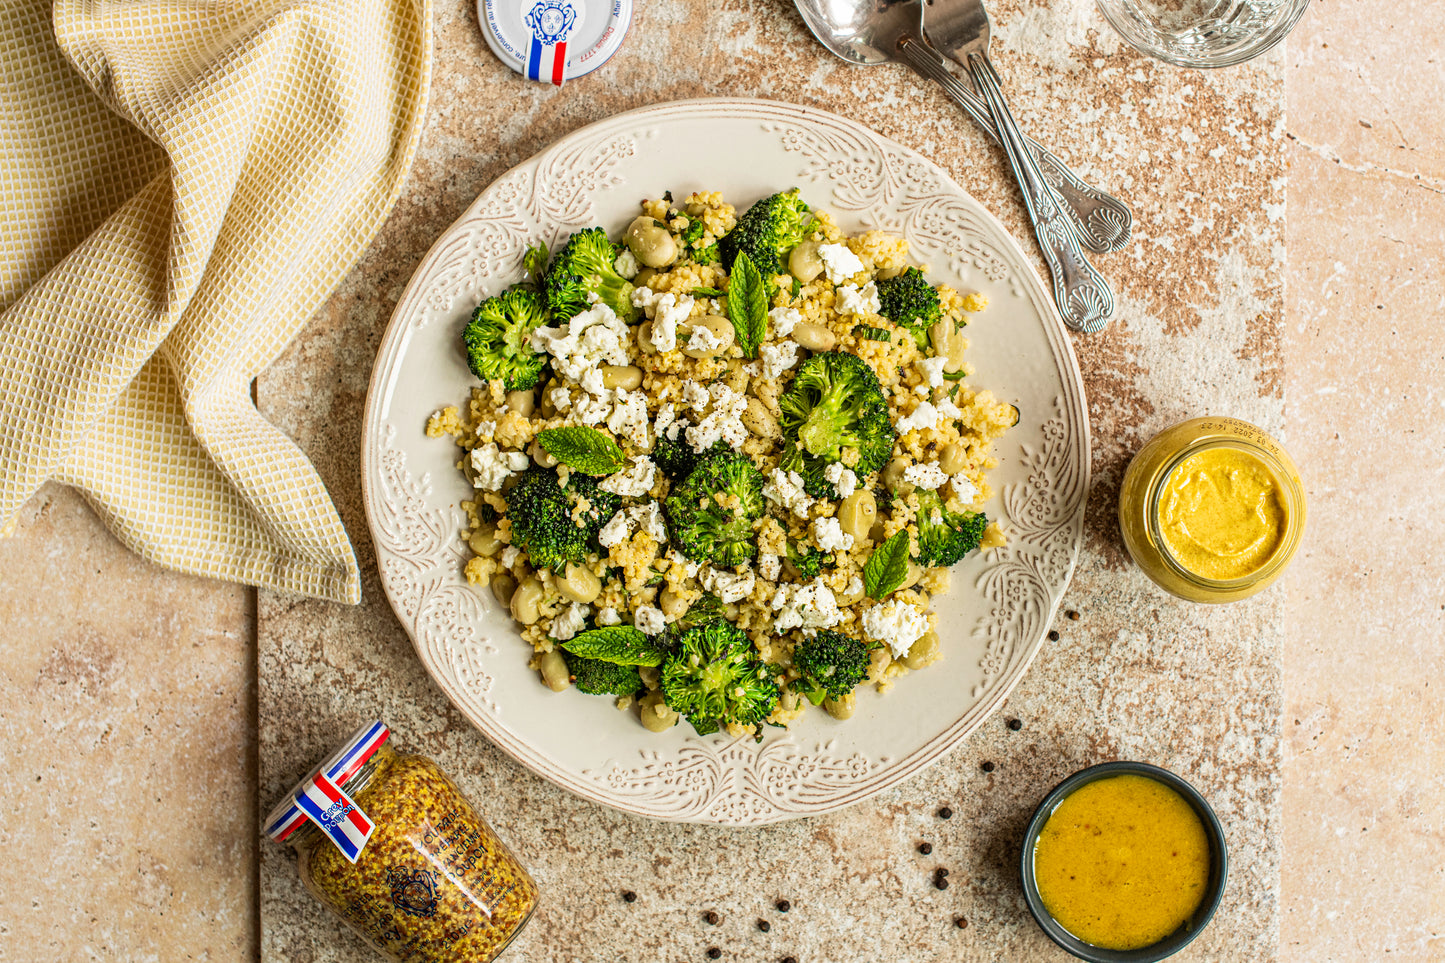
[1174, 942]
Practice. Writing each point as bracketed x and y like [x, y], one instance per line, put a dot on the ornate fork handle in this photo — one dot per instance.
[1082, 294]
[1102, 222]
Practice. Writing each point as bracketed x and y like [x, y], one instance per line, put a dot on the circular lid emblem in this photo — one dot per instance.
[553, 41]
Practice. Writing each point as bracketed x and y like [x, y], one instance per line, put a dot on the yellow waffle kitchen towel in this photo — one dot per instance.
[182, 183]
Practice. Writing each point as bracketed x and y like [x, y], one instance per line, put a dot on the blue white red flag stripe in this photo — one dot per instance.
[547, 62]
[350, 759]
[335, 814]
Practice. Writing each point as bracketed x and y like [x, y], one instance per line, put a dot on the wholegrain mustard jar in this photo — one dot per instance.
[1212, 509]
[389, 844]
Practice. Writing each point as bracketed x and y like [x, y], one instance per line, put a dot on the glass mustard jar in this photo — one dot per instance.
[389, 844]
[1212, 509]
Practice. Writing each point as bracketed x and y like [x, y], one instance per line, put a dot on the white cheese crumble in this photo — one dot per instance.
[855, 588]
[723, 421]
[829, 536]
[665, 417]
[509, 556]
[649, 519]
[615, 531]
[809, 607]
[688, 566]
[494, 466]
[851, 299]
[841, 478]
[570, 622]
[770, 566]
[839, 262]
[729, 586]
[932, 369]
[927, 475]
[963, 488]
[591, 410]
[647, 299]
[695, 396]
[784, 320]
[778, 358]
[670, 310]
[702, 338]
[631, 482]
[594, 337]
[924, 416]
[649, 620]
[626, 264]
[485, 430]
[608, 616]
[561, 398]
[897, 623]
[629, 418]
[785, 488]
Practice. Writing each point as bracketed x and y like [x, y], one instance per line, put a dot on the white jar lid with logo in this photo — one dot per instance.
[553, 41]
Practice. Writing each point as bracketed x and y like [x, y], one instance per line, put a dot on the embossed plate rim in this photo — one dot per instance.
[461, 607]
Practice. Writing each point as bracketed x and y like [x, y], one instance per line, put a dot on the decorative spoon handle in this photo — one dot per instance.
[1102, 222]
[1082, 294]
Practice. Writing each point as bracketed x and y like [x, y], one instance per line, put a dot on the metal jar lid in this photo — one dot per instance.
[553, 41]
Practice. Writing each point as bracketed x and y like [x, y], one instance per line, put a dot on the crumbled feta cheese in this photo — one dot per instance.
[670, 310]
[570, 622]
[616, 530]
[751, 369]
[932, 369]
[647, 299]
[629, 418]
[594, 337]
[897, 623]
[784, 320]
[949, 410]
[593, 383]
[494, 466]
[829, 536]
[626, 264]
[778, 358]
[591, 410]
[851, 299]
[688, 566]
[509, 556]
[703, 338]
[665, 417]
[729, 586]
[924, 416]
[855, 588]
[809, 607]
[927, 475]
[633, 481]
[963, 488]
[649, 519]
[675, 429]
[723, 421]
[839, 262]
[841, 478]
[486, 429]
[608, 616]
[785, 488]
[695, 396]
[649, 620]
[561, 398]
[770, 566]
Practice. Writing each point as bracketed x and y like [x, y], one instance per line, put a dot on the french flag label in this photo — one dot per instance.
[551, 22]
[335, 814]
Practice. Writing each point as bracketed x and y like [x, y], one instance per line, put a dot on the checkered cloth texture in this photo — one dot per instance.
[182, 184]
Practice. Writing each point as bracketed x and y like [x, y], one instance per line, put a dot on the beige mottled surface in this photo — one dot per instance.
[127, 691]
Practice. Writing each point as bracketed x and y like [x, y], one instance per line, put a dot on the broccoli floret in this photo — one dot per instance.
[709, 530]
[834, 402]
[587, 264]
[769, 229]
[831, 663]
[808, 561]
[554, 524]
[675, 457]
[498, 339]
[715, 679]
[595, 677]
[944, 537]
[909, 300]
[695, 248]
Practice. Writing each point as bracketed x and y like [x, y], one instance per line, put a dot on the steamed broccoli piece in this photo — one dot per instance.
[595, 677]
[769, 229]
[715, 679]
[693, 245]
[587, 265]
[554, 524]
[831, 663]
[834, 402]
[675, 457]
[807, 560]
[909, 300]
[944, 537]
[498, 339]
[709, 530]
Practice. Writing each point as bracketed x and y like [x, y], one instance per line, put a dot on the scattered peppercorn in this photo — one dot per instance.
[987, 767]
[1053, 636]
[960, 922]
[941, 871]
[790, 959]
[1015, 724]
[925, 848]
[1073, 616]
[764, 925]
[945, 813]
[629, 896]
[940, 882]
[713, 952]
[711, 918]
[784, 906]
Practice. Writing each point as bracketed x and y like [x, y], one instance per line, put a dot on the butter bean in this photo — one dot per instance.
[878, 662]
[656, 716]
[626, 377]
[644, 338]
[719, 327]
[522, 402]
[923, 652]
[947, 343]
[643, 276]
[893, 472]
[527, 601]
[814, 337]
[804, 262]
[911, 577]
[849, 598]
[857, 514]
[673, 605]
[541, 455]
[841, 708]
[579, 584]
[484, 542]
[503, 585]
[953, 459]
[653, 246]
[886, 273]
[760, 421]
[554, 670]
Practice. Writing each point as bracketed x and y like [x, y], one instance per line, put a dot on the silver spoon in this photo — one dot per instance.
[886, 30]
[867, 34]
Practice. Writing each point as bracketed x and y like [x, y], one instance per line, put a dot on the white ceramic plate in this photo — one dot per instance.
[1001, 602]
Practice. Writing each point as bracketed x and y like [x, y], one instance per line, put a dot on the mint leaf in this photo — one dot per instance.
[887, 567]
[706, 293]
[618, 644]
[582, 449]
[748, 305]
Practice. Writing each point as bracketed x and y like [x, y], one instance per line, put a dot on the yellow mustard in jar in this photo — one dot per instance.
[1212, 509]
[1122, 862]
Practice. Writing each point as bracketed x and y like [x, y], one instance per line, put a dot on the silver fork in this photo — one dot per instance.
[961, 30]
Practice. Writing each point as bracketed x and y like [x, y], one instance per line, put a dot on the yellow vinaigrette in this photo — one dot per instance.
[1220, 514]
[1122, 862]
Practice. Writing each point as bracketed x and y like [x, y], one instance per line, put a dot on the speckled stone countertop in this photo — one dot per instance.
[1136, 676]
[128, 694]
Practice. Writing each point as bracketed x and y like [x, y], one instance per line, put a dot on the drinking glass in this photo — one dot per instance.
[1203, 33]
